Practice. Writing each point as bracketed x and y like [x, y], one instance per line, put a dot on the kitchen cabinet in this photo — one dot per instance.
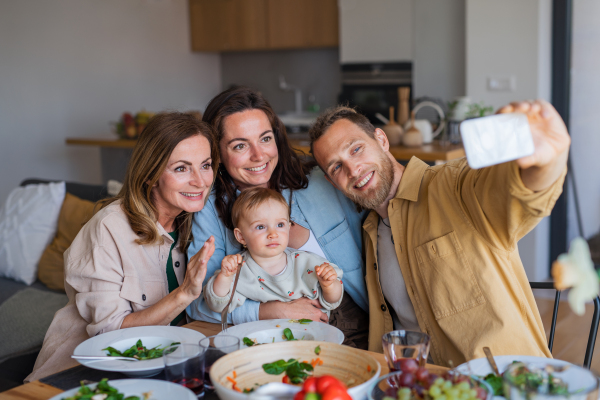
[237, 25]
[303, 23]
[376, 30]
[224, 25]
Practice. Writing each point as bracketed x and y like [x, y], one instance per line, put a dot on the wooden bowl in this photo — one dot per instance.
[356, 368]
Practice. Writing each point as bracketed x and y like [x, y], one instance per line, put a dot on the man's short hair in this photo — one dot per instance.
[334, 114]
[250, 199]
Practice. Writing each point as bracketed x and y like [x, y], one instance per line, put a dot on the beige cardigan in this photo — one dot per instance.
[107, 276]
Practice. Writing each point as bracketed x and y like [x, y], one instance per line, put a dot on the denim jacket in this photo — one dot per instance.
[321, 208]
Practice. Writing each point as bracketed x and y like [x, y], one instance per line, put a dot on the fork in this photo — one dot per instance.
[226, 309]
[103, 358]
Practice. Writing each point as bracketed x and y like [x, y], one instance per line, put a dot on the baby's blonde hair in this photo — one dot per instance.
[249, 199]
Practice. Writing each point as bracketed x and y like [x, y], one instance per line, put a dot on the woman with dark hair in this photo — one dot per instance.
[127, 265]
[255, 152]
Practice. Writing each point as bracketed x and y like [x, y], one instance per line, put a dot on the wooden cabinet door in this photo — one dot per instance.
[302, 23]
[227, 25]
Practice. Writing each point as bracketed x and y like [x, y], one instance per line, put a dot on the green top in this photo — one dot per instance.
[171, 277]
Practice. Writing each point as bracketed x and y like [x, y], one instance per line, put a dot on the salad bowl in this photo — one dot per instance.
[244, 369]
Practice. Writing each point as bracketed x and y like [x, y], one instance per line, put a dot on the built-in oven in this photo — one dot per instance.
[373, 87]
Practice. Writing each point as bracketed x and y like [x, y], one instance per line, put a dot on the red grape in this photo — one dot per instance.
[422, 374]
[408, 365]
[407, 379]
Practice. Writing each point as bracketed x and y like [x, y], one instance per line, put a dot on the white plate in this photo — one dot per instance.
[161, 390]
[481, 367]
[269, 331]
[122, 339]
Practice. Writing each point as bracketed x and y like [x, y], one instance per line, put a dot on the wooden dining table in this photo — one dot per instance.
[41, 391]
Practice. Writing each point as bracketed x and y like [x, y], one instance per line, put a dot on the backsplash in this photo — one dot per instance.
[315, 71]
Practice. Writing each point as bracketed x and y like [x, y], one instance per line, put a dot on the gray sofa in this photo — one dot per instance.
[28, 325]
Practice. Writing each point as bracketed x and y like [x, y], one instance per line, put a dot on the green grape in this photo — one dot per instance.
[439, 381]
[473, 393]
[465, 395]
[388, 398]
[447, 385]
[463, 386]
[442, 397]
[435, 391]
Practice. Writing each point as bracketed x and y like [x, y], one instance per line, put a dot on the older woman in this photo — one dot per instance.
[127, 265]
[255, 152]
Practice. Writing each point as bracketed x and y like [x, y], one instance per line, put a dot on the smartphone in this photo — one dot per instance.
[496, 139]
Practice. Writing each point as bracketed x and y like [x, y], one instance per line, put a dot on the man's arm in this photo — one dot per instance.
[551, 139]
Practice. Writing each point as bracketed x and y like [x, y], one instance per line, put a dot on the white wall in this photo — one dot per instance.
[439, 50]
[68, 67]
[584, 127]
[509, 38]
[512, 38]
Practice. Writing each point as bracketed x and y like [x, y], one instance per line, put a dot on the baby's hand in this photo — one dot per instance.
[325, 274]
[230, 264]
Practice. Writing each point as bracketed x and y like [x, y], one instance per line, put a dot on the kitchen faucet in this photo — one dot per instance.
[283, 85]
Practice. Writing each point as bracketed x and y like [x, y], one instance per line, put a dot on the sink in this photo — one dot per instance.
[293, 119]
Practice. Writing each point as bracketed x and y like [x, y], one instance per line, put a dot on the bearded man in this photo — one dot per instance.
[441, 242]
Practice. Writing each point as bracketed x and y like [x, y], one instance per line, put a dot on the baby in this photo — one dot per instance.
[271, 271]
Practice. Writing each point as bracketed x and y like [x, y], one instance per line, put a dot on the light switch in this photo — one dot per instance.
[502, 83]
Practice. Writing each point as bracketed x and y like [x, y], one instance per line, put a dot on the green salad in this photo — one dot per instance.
[138, 351]
[104, 391]
[287, 335]
[528, 380]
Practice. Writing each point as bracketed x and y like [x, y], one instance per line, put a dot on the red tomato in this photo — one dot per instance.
[285, 379]
[310, 385]
[300, 395]
[325, 381]
[335, 393]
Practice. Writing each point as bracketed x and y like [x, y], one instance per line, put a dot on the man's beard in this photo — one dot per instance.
[374, 197]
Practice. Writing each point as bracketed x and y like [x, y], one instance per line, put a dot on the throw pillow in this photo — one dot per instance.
[28, 223]
[74, 213]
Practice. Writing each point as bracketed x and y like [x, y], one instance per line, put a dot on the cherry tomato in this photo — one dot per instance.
[300, 395]
[310, 385]
[325, 381]
[285, 379]
[335, 393]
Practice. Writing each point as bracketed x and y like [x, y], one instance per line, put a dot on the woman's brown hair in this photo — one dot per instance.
[290, 173]
[148, 162]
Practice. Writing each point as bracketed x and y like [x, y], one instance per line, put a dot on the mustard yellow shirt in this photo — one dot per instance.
[455, 232]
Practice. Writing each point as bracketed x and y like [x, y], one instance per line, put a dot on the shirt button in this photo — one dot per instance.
[143, 297]
[383, 307]
[176, 264]
[375, 265]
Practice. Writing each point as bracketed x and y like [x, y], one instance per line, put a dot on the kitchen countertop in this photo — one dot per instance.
[428, 152]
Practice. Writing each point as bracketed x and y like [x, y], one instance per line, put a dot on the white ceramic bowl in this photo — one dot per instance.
[271, 330]
[122, 339]
[356, 368]
[160, 390]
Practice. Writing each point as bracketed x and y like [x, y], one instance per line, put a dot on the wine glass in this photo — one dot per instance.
[183, 365]
[400, 346]
[215, 347]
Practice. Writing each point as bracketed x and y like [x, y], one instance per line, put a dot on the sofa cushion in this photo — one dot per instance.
[28, 223]
[25, 318]
[74, 213]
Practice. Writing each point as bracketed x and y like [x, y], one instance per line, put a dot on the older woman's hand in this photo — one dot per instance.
[196, 270]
